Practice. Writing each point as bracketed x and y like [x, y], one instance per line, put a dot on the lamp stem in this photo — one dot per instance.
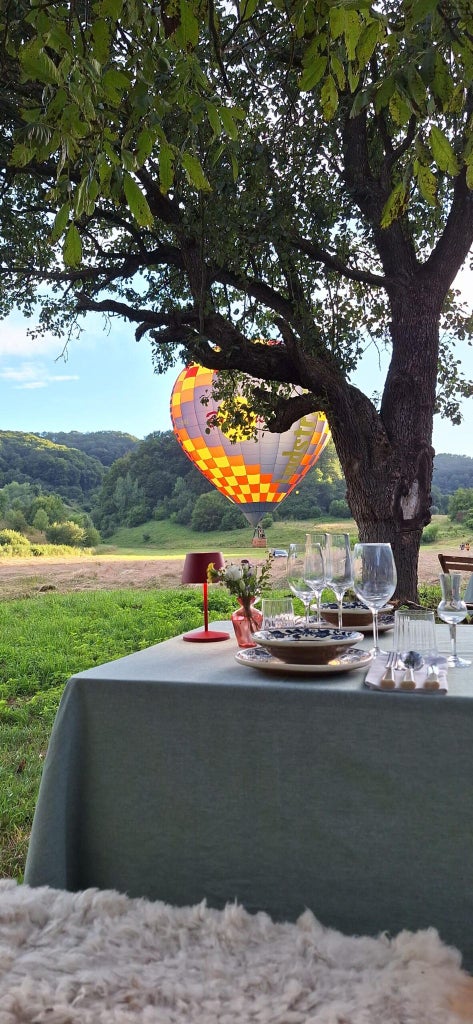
[206, 610]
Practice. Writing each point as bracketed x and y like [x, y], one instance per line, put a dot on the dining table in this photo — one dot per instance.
[178, 774]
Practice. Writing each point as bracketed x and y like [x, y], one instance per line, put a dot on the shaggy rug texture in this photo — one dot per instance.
[97, 957]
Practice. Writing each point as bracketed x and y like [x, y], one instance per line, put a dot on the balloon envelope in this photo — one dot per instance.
[255, 475]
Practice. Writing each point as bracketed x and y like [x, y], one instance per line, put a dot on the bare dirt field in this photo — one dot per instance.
[23, 577]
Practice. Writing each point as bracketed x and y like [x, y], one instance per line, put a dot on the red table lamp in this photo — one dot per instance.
[195, 571]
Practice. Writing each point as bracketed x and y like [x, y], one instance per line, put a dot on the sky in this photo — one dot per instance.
[107, 382]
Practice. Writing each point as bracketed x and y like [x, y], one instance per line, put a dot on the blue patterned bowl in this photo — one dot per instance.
[306, 645]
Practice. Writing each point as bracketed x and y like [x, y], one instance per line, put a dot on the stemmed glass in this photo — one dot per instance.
[296, 576]
[339, 568]
[374, 580]
[452, 610]
[314, 571]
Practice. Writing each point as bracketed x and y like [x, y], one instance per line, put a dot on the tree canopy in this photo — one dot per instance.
[299, 170]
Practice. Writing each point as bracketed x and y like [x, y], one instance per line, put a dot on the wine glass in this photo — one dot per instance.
[339, 568]
[452, 610]
[374, 580]
[314, 571]
[295, 575]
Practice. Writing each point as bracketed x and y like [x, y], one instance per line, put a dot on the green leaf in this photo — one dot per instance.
[442, 152]
[420, 10]
[144, 145]
[195, 173]
[353, 78]
[101, 40]
[399, 110]
[234, 166]
[352, 32]
[215, 122]
[166, 167]
[416, 88]
[80, 198]
[56, 38]
[72, 248]
[427, 183]
[110, 8]
[337, 21]
[383, 94]
[21, 155]
[114, 85]
[60, 222]
[362, 99]
[187, 34]
[229, 125]
[469, 175]
[37, 66]
[442, 84]
[367, 42]
[247, 8]
[395, 206]
[339, 71]
[137, 202]
[329, 98]
[312, 74]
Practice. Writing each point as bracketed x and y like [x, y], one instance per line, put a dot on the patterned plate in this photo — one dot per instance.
[257, 657]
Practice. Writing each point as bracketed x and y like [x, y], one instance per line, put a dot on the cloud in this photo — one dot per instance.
[28, 376]
[14, 340]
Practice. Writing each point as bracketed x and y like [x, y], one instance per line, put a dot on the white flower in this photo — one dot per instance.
[233, 573]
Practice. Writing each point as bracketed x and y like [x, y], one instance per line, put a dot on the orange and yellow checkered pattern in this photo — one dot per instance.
[256, 475]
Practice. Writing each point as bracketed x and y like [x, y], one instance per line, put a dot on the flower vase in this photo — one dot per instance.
[246, 620]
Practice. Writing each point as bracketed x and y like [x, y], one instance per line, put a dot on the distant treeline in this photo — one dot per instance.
[122, 481]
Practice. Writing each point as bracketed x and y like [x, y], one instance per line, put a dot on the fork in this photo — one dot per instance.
[388, 674]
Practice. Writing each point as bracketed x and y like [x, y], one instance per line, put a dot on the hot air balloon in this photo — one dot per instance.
[256, 475]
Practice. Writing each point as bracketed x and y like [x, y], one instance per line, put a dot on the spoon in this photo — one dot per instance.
[412, 661]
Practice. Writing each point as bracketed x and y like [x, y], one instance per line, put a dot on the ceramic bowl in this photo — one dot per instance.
[306, 645]
[354, 613]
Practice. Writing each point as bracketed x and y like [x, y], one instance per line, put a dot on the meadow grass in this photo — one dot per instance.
[44, 640]
[172, 540]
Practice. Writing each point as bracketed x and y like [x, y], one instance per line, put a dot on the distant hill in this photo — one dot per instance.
[104, 445]
[452, 472]
[55, 468]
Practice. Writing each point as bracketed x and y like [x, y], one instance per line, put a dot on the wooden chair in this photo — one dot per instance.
[457, 563]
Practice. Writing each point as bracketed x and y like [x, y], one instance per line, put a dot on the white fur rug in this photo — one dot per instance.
[97, 957]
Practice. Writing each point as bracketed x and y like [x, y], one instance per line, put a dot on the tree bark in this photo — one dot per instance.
[386, 456]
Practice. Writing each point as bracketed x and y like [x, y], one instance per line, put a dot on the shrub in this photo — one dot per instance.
[66, 533]
[339, 509]
[13, 543]
[430, 534]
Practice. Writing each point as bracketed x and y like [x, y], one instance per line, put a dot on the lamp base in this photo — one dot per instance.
[205, 636]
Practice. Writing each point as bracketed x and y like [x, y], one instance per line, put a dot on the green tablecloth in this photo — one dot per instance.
[177, 774]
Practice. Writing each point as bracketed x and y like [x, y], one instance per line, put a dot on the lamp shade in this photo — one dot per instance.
[196, 564]
[195, 568]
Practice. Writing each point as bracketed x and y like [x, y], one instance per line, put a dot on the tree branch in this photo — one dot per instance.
[333, 263]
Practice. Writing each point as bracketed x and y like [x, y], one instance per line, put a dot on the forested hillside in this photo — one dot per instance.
[123, 481]
[452, 472]
[104, 445]
[53, 468]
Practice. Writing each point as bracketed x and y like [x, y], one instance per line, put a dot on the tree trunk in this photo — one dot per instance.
[386, 456]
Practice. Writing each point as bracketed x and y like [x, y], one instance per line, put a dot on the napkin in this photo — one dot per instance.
[422, 683]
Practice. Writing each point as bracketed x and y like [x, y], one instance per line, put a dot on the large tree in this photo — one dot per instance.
[292, 169]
